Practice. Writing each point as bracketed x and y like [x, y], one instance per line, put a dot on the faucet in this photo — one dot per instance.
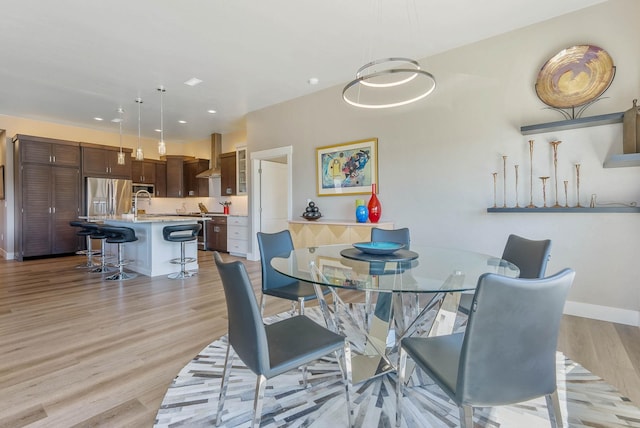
[135, 201]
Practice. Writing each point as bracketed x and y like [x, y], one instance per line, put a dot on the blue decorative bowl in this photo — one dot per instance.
[380, 247]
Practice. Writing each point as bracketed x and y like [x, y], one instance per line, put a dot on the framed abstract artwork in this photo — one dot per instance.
[348, 168]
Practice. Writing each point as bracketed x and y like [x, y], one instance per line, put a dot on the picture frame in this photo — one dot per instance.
[348, 168]
[2, 182]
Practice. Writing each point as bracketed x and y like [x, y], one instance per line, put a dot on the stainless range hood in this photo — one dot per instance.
[214, 163]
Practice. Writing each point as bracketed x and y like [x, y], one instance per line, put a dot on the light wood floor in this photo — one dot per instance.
[77, 351]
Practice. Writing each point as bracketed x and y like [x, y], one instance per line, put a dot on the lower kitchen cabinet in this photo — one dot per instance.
[238, 235]
[217, 233]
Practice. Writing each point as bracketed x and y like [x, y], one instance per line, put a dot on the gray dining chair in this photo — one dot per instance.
[270, 350]
[400, 236]
[506, 355]
[529, 255]
[276, 284]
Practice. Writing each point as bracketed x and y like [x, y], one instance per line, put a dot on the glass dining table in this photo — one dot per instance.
[404, 293]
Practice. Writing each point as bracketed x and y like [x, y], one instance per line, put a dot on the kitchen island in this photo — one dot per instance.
[151, 255]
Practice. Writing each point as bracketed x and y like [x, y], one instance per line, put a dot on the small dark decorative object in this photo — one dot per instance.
[311, 212]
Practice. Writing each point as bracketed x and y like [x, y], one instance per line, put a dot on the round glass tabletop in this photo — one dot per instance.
[434, 270]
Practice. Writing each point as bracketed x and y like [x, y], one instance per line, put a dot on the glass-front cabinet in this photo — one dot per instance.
[241, 168]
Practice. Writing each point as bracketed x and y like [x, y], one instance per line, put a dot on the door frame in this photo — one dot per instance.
[256, 191]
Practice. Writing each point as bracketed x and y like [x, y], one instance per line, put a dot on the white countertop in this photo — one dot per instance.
[146, 219]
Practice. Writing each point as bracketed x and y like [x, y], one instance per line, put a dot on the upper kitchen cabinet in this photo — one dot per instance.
[241, 167]
[181, 177]
[175, 176]
[194, 186]
[47, 193]
[228, 173]
[143, 171]
[102, 161]
[161, 179]
[48, 151]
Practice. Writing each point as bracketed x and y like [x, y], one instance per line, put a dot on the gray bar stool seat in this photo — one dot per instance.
[120, 236]
[182, 233]
[85, 231]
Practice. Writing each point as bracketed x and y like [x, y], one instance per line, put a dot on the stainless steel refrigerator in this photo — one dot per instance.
[107, 197]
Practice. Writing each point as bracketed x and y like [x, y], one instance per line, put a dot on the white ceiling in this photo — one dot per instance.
[68, 61]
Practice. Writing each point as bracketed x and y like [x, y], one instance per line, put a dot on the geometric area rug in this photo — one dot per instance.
[191, 400]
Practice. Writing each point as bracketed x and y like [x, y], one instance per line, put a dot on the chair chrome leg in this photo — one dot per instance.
[263, 300]
[553, 407]
[228, 360]
[466, 416]
[301, 301]
[402, 368]
[348, 380]
[304, 376]
[261, 383]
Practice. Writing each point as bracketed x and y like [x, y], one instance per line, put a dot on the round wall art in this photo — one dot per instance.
[575, 76]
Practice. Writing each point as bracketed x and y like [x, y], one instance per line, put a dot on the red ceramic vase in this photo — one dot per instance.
[375, 209]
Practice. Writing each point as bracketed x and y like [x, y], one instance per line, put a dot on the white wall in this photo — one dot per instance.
[436, 157]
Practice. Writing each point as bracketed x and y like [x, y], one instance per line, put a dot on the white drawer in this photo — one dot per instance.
[237, 232]
[237, 220]
[237, 246]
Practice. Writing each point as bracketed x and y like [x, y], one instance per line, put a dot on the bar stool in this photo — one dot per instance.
[182, 233]
[120, 236]
[89, 252]
[97, 233]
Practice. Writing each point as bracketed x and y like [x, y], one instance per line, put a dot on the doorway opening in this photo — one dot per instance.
[271, 203]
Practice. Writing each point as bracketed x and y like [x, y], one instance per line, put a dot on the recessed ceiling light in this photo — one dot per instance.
[313, 81]
[182, 121]
[116, 120]
[158, 130]
[193, 81]
[98, 118]
[211, 111]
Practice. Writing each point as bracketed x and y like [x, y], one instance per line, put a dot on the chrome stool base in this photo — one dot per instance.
[182, 275]
[121, 276]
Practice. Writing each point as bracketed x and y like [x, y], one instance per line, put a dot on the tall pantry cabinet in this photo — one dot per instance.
[48, 194]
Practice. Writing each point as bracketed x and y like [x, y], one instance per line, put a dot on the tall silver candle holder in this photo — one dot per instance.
[531, 205]
[517, 203]
[544, 190]
[495, 180]
[578, 185]
[504, 181]
[566, 200]
[554, 145]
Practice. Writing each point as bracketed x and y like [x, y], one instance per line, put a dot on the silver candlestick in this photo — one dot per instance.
[554, 145]
[531, 205]
[516, 168]
[504, 181]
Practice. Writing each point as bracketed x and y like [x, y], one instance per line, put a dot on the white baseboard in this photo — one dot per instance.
[7, 255]
[603, 313]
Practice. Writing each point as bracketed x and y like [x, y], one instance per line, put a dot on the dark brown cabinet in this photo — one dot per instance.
[161, 179]
[217, 233]
[228, 173]
[194, 186]
[181, 177]
[175, 176]
[103, 162]
[143, 172]
[48, 191]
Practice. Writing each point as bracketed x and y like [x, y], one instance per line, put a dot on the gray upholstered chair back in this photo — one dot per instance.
[247, 335]
[271, 245]
[400, 236]
[509, 348]
[530, 256]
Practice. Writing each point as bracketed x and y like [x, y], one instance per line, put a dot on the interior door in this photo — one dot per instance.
[273, 197]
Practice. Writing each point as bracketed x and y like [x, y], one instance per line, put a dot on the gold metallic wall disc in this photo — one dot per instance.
[575, 76]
